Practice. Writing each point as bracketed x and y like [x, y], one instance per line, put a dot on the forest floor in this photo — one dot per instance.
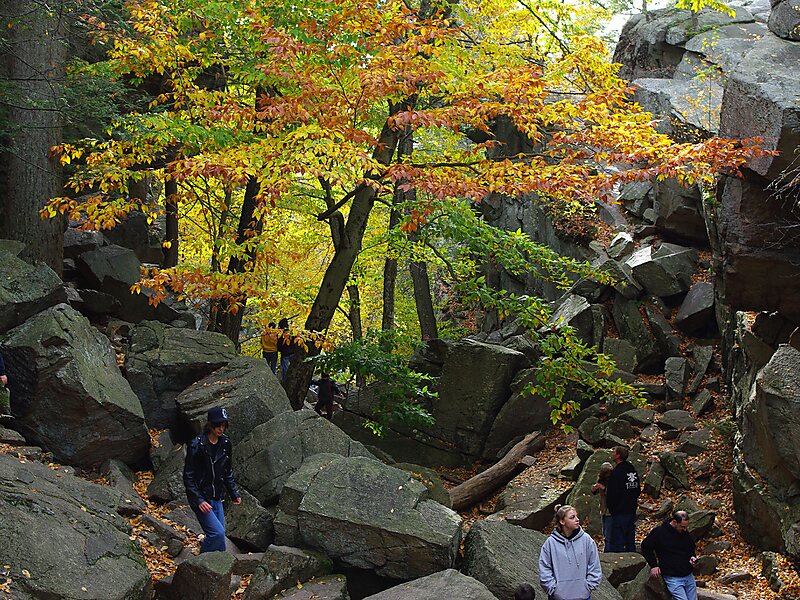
[740, 558]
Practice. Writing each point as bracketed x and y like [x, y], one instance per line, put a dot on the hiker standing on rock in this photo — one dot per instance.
[622, 499]
[600, 488]
[207, 473]
[669, 550]
[569, 564]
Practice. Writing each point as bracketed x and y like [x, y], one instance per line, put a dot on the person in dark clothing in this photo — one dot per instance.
[5, 397]
[669, 550]
[3, 375]
[622, 498]
[207, 474]
[327, 390]
[285, 346]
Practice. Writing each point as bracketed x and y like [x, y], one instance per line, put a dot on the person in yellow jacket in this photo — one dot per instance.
[269, 346]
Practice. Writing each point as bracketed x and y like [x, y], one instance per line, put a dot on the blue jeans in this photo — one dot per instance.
[622, 537]
[606, 531]
[681, 588]
[272, 360]
[285, 360]
[213, 524]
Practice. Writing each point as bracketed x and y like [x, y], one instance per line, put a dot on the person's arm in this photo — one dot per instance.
[230, 482]
[546, 575]
[193, 492]
[649, 553]
[594, 574]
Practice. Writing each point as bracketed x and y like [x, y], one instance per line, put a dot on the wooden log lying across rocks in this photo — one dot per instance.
[483, 485]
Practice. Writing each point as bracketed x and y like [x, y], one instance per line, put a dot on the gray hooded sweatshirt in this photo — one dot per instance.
[569, 569]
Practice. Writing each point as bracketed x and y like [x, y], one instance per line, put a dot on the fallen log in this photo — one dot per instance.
[483, 485]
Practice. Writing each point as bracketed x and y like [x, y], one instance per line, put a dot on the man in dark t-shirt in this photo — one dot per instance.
[622, 499]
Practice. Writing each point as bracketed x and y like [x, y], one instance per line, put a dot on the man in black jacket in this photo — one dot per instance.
[669, 550]
[622, 500]
[207, 474]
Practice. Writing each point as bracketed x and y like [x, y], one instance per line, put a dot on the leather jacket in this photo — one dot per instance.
[206, 479]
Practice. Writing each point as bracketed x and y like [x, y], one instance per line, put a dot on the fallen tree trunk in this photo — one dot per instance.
[482, 485]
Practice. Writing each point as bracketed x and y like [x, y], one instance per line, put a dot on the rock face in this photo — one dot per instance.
[272, 452]
[445, 584]
[68, 393]
[366, 515]
[246, 387]
[162, 361]
[204, 577]
[65, 532]
[26, 290]
[283, 567]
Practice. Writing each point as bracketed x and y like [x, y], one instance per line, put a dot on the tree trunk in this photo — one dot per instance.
[32, 61]
[354, 312]
[227, 315]
[483, 485]
[338, 271]
[390, 274]
[423, 300]
[171, 221]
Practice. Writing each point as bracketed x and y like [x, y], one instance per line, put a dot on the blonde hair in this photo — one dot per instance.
[561, 513]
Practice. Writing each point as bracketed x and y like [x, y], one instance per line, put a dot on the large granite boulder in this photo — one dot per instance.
[685, 118]
[329, 587]
[246, 387]
[163, 361]
[633, 328]
[271, 452]
[68, 393]
[761, 99]
[587, 504]
[502, 556]
[522, 414]
[113, 270]
[283, 567]
[445, 584]
[677, 207]
[25, 289]
[529, 506]
[475, 383]
[203, 577]
[249, 525]
[366, 515]
[784, 20]
[63, 538]
[664, 271]
[696, 314]
[135, 233]
[770, 417]
[574, 312]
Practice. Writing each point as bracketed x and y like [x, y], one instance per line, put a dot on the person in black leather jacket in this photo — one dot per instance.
[207, 474]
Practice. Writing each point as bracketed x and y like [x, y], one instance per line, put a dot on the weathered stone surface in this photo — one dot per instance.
[521, 415]
[78, 241]
[121, 478]
[587, 504]
[246, 387]
[249, 525]
[162, 361]
[668, 343]
[69, 395]
[763, 86]
[639, 417]
[366, 515]
[501, 556]
[644, 587]
[204, 577]
[761, 241]
[113, 270]
[706, 565]
[271, 452]
[430, 479]
[663, 271]
[575, 312]
[331, 587]
[623, 353]
[694, 442]
[677, 207]
[784, 20]
[631, 327]
[696, 314]
[619, 567]
[134, 232]
[529, 506]
[621, 246]
[683, 118]
[653, 481]
[676, 376]
[677, 419]
[168, 460]
[26, 290]
[65, 532]
[769, 419]
[702, 403]
[475, 383]
[701, 520]
[445, 584]
[283, 567]
[674, 464]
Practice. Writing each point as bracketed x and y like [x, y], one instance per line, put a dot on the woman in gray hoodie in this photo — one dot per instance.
[569, 564]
